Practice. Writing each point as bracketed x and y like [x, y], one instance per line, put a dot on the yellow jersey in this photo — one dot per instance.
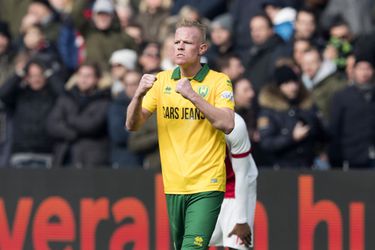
[192, 151]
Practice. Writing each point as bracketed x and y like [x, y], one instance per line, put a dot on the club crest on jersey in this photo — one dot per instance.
[203, 91]
[167, 90]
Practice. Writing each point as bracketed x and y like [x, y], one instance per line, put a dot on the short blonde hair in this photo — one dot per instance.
[191, 23]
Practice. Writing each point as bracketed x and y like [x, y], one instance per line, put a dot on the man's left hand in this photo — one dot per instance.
[243, 232]
[184, 88]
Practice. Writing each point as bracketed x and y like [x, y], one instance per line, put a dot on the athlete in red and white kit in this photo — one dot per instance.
[234, 227]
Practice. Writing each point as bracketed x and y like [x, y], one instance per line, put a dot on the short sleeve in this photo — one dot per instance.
[224, 93]
[149, 101]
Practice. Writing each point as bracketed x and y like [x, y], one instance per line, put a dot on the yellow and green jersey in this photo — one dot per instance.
[192, 151]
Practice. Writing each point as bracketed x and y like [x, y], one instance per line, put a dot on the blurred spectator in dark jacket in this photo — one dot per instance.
[34, 43]
[230, 65]
[6, 52]
[78, 122]
[322, 79]
[121, 156]
[243, 97]
[340, 43]
[356, 12]
[144, 143]
[353, 119]
[266, 49]
[242, 11]
[150, 60]
[209, 9]
[305, 27]
[29, 96]
[152, 13]
[221, 38]
[101, 31]
[288, 123]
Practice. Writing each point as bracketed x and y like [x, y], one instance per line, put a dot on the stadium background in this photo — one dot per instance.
[124, 209]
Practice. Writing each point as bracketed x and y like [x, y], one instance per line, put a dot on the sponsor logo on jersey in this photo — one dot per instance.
[228, 95]
[182, 113]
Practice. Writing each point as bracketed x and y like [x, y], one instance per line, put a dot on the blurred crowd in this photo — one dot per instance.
[302, 71]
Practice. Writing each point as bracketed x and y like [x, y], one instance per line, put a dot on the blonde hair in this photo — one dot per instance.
[192, 23]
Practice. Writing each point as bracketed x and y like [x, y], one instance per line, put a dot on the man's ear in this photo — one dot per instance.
[203, 48]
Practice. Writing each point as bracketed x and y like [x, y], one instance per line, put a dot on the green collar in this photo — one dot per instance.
[176, 75]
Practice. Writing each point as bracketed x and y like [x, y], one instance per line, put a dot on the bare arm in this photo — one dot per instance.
[220, 118]
[136, 115]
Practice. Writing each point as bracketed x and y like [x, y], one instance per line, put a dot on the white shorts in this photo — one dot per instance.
[225, 224]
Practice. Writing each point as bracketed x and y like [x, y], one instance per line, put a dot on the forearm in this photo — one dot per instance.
[222, 119]
[134, 117]
[240, 168]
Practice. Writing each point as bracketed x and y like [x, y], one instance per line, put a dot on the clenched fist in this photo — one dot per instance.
[146, 83]
[184, 88]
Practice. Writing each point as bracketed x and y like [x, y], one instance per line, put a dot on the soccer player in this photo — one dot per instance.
[194, 107]
[234, 227]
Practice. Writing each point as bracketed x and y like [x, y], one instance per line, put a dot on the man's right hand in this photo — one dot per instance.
[300, 131]
[146, 83]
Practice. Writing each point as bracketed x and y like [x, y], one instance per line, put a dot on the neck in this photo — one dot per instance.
[190, 70]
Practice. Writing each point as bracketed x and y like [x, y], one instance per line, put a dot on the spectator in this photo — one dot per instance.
[221, 38]
[167, 53]
[306, 28]
[288, 123]
[150, 60]
[121, 156]
[144, 143]
[266, 49]
[320, 76]
[35, 43]
[121, 62]
[230, 65]
[6, 52]
[340, 44]
[242, 12]
[352, 120]
[244, 97]
[209, 9]
[152, 15]
[29, 97]
[63, 7]
[41, 12]
[135, 31]
[357, 13]
[188, 12]
[78, 122]
[300, 46]
[282, 18]
[101, 31]
[125, 14]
